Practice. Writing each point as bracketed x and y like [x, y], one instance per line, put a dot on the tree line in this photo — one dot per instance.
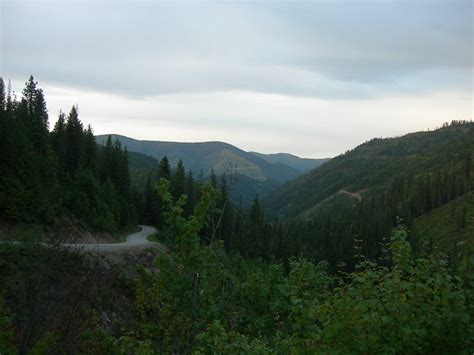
[48, 176]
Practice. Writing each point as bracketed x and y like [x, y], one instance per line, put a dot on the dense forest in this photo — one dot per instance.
[51, 176]
[369, 253]
[362, 194]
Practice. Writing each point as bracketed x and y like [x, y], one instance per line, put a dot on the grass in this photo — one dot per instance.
[155, 237]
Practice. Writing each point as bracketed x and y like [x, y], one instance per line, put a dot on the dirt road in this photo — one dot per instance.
[136, 240]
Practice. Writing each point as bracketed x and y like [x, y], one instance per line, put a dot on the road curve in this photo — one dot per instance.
[135, 240]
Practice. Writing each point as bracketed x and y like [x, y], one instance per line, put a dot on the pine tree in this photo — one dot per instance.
[2, 95]
[29, 95]
[40, 111]
[106, 160]
[89, 150]
[58, 141]
[34, 115]
[179, 181]
[190, 192]
[74, 141]
[164, 170]
[11, 99]
[255, 239]
[152, 206]
[226, 218]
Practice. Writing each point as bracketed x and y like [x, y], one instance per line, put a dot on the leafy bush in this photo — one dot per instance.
[207, 301]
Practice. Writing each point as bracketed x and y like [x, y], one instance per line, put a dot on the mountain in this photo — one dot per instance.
[207, 156]
[243, 189]
[251, 176]
[303, 165]
[372, 167]
[141, 166]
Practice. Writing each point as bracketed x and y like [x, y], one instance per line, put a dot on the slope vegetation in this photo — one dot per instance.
[207, 156]
[449, 227]
[374, 165]
[303, 165]
[243, 188]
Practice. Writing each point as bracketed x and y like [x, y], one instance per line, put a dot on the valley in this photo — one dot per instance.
[250, 173]
[236, 177]
[235, 256]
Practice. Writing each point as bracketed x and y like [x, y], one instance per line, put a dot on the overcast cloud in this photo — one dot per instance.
[311, 78]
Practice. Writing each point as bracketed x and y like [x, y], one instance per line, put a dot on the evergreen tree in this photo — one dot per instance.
[2, 96]
[74, 141]
[89, 150]
[106, 160]
[226, 219]
[32, 159]
[29, 94]
[179, 181]
[190, 192]
[164, 170]
[58, 141]
[255, 233]
[152, 205]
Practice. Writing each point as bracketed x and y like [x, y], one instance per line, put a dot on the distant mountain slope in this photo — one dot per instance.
[371, 166]
[243, 189]
[301, 164]
[207, 156]
[141, 166]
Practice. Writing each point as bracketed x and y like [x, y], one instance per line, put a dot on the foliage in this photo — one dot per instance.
[413, 306]
[362, 192]
[55, 300]
[205, 300]
[6, 329]
[47, 176]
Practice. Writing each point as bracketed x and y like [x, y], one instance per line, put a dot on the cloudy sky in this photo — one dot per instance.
[313, 78]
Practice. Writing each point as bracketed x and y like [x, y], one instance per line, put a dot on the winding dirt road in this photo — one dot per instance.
[136, 240]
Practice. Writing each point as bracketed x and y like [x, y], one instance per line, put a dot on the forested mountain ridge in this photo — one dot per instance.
[207, 156]
[356, 199]
[301, 164]
[242, 188]
[372, 165]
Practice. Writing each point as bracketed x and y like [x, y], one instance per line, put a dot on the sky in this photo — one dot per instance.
[312, 78]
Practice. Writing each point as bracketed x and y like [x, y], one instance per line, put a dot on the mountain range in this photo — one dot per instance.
[252, 173]
[221, 158]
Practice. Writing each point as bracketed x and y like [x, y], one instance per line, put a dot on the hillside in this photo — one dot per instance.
[449, 227]
[243, 189]
[207, 156]
[141, 166]
[301, 164]
[373, 165]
